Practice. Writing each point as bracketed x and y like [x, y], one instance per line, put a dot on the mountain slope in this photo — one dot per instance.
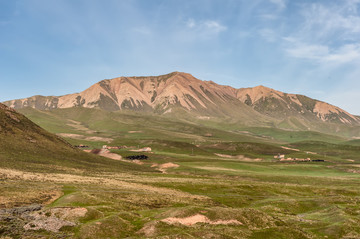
[282, 105]
[25, 145]
[160, 94]
[138, 93]
[182, 92]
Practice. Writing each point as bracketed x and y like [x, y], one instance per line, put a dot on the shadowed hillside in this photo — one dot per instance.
[25, 145]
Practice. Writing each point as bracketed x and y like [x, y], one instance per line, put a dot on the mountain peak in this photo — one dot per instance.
[262, 87]
[253, 94]
[174, 73]
[182, 74]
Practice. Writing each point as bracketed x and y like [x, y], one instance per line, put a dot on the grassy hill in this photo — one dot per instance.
[25, 145]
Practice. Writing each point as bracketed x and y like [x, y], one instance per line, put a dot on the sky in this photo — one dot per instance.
[57, 47]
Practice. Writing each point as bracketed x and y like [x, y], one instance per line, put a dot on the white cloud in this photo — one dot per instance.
[346, 53]
[338, 21]
[214, 26]
[281, 4]
[308, 51]
[324, 54]
[206, 27]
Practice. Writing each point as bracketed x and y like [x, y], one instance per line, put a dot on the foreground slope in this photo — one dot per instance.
[25, 145]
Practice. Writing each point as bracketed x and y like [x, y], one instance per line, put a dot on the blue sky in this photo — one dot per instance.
[56, 47]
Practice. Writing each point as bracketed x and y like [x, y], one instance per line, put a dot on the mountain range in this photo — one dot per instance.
[182, 92]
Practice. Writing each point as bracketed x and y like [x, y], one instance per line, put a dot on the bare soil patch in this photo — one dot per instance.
[146, 149]
[106, 153]
[297, 150]
[165, 166]
[138, 162]
[198, 218]
[83, 137]
[238, 157]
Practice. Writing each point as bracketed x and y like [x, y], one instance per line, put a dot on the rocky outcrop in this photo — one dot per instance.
[25, 221]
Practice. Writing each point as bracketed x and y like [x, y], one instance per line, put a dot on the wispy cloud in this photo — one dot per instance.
[214, 26]
[324, 21]
[298, 49]
[346, 53]
[206, 27]
[328, 34]
[322, 53]
[281, 4]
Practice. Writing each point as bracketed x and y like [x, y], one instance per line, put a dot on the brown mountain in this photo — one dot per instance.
[138, 93]
[282, 105]
[177, 90]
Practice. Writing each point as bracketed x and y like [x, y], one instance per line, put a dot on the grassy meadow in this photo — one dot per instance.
[207, 179]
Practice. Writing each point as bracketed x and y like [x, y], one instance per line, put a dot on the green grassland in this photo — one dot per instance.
[218, 176]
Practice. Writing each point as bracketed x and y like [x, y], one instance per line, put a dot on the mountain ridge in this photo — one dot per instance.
[181, 90]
